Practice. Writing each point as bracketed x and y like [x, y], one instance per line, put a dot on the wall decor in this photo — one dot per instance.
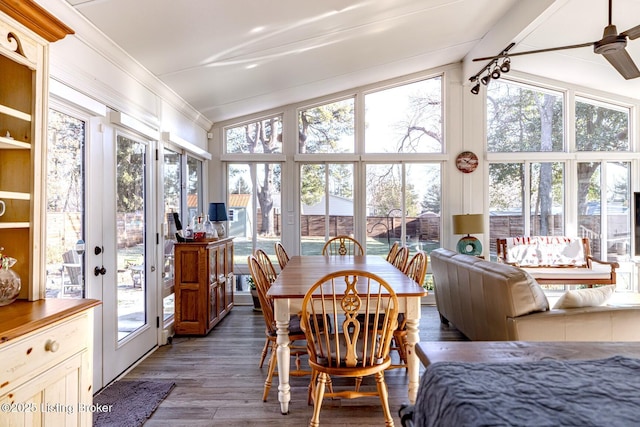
[466, 162]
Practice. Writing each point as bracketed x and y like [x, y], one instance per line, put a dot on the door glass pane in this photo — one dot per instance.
[194, 190]
[172, 178]
[384, 208]
[326, 204]
[506, 202]
[131, 218]
[423, 203]
[546, 199]
[268, 209]
[65, 206]
[240, 206]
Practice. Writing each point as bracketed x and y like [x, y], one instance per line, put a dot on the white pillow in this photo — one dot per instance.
[590, 297]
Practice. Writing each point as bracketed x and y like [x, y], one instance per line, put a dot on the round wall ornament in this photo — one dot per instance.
[466, 162]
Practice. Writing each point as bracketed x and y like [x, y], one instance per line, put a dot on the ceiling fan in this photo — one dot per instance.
[612, 46]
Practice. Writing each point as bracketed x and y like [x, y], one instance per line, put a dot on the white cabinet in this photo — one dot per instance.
[46, 370]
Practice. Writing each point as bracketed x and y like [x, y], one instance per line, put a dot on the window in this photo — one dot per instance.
[327, 128]
[601, 127]
[326, 204]
[195, 204]
[405, 119]
[262, 136]
[399, 203]
[523, 118]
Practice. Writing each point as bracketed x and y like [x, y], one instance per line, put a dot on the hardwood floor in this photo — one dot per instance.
[218, 382]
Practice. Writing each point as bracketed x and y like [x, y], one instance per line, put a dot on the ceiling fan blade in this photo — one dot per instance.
[622, 62]
[528, 52]
[632, 33]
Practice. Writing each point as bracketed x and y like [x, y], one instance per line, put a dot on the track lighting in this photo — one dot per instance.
[491, 71]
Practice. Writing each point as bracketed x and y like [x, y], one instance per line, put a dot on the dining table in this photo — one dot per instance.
[303, 271]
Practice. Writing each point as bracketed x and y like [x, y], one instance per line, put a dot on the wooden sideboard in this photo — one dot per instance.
[46, 349]
[203, 285]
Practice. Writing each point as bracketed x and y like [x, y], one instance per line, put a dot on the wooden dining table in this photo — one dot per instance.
[302, 272]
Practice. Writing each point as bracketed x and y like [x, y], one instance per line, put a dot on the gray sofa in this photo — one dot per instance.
[488, 301]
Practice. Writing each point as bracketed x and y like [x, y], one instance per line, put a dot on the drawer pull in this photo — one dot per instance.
[52, 346]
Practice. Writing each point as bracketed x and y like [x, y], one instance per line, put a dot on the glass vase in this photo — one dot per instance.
[9, 282]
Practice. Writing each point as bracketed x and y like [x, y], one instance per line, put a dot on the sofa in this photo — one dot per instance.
[489, 301]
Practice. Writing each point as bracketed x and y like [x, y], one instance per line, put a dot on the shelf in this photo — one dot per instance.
[15, 113]
[8, 143]
[14, 195]
[5, 225]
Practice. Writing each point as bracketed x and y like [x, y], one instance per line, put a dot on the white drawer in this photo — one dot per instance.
[42, 349]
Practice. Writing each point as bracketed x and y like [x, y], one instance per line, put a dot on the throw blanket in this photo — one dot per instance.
[604, 392]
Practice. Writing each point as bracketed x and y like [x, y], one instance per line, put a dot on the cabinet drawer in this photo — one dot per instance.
[36, 352]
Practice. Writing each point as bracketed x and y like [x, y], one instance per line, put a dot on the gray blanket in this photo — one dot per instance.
[604, 392]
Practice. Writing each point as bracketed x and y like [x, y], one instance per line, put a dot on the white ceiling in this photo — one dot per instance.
[228, 58]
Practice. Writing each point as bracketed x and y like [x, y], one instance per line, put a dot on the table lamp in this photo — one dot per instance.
[217, 215]
[467, 224]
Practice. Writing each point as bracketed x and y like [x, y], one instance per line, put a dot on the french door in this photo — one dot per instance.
[98, 234]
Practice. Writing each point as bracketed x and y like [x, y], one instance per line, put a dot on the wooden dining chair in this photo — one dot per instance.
[401, 258]
[416, 269]
[266, 264]
[351, 347]
[281, 254]
[342, 245]
[295, 333]
[393, 251]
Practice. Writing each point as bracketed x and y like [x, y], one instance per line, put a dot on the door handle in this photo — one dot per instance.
[99, 270]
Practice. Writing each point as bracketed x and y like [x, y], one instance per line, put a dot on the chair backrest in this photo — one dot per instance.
[281, 254]
[393, 251]
[417, 267]
[401, 258]
[262, 286]
[71, 262]
[266, 264]
[363, 313]
[342, 245]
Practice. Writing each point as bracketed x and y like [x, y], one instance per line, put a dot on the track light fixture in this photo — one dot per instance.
[506, 65]
[492, 70]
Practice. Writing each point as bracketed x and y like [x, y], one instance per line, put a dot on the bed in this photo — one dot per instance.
[602, 392]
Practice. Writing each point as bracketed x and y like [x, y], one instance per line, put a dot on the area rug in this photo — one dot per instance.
[132, 402]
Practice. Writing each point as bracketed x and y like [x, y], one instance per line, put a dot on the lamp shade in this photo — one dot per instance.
[217, 212]
[468, 224]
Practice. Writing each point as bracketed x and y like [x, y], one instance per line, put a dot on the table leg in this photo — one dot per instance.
[281, 313]
[413, 337]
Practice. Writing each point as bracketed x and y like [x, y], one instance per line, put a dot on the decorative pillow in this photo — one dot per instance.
[591, 297]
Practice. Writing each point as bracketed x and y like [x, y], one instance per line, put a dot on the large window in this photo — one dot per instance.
[529, 197]
[327, 128]
[523, 118]
[405, 119]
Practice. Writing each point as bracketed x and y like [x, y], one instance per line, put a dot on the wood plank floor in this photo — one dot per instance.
[218, 382]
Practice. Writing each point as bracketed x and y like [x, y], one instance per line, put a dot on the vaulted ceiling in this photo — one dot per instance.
[228, 58]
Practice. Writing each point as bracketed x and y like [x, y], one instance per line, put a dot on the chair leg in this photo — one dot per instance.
[265, 350]
[384, 399]
[399, 342]
[272, 366]
[358, 383]
[317, 399]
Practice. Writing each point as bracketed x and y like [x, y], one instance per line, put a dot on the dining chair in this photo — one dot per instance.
[266, 264]
[295, 333]
[393, 251]
[401, 258]
[342, 245]
[351, 347]
[416, 269]
[281, 254]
